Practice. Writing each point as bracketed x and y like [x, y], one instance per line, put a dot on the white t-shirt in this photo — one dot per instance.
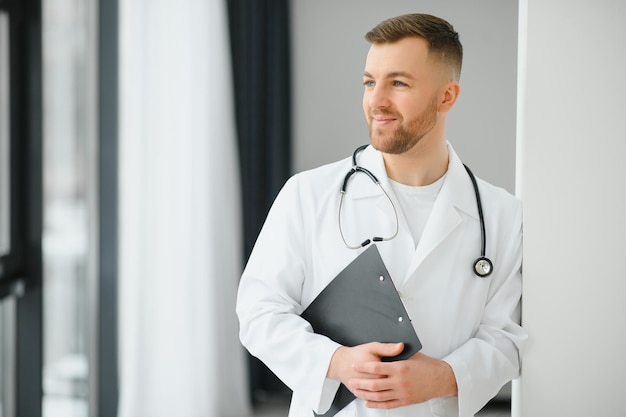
[416, 203]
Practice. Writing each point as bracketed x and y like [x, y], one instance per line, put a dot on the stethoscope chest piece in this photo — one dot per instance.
[483, 267]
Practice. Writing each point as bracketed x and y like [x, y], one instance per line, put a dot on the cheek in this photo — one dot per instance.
[412, 108]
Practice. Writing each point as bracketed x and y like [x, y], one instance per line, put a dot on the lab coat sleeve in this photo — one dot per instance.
[269, 305]
[492, 357]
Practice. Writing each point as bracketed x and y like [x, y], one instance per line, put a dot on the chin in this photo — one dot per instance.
[392, 145]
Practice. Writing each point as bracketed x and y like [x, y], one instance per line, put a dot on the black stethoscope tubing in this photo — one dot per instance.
[482, 266]
[356, 168]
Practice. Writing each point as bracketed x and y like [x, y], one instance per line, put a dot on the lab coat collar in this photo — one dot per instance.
[456, 190]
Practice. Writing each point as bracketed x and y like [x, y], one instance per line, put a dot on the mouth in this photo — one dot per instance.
[382, 119]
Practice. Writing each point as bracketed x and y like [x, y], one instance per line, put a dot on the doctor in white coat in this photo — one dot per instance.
[468, 325]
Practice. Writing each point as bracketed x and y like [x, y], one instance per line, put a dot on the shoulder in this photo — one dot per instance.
[497, 193]
[495, 200]
[500, 206]
[318, 181]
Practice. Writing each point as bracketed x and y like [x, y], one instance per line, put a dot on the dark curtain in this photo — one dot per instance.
[259, 32]
[21, 269]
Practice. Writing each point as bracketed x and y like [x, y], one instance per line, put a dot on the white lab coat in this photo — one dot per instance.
[471, 323]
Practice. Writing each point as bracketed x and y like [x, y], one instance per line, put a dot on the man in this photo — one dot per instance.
[468, 324]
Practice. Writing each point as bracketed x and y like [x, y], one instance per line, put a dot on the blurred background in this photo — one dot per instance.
[142, 143]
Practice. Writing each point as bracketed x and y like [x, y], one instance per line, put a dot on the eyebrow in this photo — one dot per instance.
[393, 74]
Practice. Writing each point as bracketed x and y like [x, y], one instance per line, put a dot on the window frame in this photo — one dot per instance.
[21, 291]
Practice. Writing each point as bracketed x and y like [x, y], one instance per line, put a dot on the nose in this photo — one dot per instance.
[377, 97]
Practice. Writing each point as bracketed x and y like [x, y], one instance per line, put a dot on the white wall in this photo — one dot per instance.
[329, 52]
[573, 184]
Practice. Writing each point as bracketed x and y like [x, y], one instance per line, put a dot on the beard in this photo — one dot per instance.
[405, 136]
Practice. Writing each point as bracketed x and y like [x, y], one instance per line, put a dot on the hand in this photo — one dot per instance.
[396, 384]
[346, 360]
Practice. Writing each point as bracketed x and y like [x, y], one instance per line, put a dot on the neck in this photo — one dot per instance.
[424, 164]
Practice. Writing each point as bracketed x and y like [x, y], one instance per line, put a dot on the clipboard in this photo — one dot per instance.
[361, 305]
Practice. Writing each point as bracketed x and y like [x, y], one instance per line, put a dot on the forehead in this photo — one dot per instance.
[406, 55]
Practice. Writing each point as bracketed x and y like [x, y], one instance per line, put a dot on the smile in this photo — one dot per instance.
[380, 120]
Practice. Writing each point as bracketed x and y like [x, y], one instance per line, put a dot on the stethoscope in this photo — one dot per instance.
[482, 266]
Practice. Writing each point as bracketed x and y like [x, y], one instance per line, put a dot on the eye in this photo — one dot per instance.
[397, 83]
[368, 83]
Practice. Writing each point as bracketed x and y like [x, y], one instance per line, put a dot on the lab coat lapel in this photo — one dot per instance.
[367, 196]
[398, 252]
[456, 195]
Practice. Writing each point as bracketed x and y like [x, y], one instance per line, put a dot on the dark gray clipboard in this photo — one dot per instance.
[361, 305]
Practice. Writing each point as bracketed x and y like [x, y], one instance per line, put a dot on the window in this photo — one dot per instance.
[69, 203]
[50, 171]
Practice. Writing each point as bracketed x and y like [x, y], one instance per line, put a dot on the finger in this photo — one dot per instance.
[378, 397]
[382, 369]
[387, 405]
[364, 375]
[370, 385]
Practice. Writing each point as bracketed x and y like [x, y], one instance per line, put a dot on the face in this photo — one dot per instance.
[401, 99]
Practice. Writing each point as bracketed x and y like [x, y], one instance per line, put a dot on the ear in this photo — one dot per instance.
[450, 92]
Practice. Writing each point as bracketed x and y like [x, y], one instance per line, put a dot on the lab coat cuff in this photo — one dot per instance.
[329, 390]
[464, 381]
[327, 387]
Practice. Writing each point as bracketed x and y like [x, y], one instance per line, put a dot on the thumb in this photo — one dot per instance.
[390, 349]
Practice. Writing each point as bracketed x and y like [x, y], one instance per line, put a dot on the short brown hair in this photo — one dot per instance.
[443, 40]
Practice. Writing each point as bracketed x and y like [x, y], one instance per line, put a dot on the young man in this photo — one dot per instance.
[468, 324]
